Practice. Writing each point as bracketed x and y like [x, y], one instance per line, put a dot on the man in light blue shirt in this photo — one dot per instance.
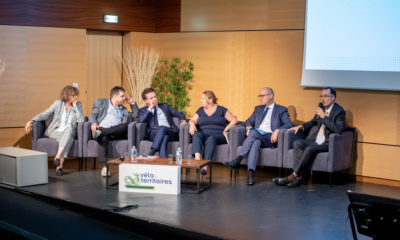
[110, 120]
[160, 126]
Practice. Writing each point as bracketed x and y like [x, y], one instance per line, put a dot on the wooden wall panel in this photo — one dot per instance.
[168, 15]
[378, 161]
[220, 15]
[15, 137]
[40, 62]
[104, 69]
[133, 15]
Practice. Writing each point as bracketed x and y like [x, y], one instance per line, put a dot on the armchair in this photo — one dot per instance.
[339, 157]
[222, 152]
[116, 148]
[269, 157]
[42, 143]
[143, 145]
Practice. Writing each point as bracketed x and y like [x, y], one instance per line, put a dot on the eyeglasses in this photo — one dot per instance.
[260, 96]
[325, 96]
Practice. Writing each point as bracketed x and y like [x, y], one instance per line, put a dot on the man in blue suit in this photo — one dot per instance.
[262, 131]
[160, 126]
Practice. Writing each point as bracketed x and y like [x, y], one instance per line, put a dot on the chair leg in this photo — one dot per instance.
[79, 164]
[94, 163]
[280, 172]
[330, 178]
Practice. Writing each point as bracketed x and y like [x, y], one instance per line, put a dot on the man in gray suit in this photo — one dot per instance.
[110, 119]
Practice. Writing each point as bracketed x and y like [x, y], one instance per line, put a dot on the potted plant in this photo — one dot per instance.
[172, 83]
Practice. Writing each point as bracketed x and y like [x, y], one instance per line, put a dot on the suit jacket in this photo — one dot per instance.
[279, 120]
[56, 110]
[100, 108]
[334, 123]
[145, 116]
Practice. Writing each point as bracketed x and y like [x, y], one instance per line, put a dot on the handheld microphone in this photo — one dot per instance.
[320, 105]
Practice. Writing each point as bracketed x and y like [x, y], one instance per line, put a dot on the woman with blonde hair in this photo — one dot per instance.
[208, 126]
[67, 113]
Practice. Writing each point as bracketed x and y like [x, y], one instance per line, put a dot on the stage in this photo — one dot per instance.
[83, 207]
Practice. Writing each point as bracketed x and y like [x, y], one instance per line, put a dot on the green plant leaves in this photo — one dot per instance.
[173, 82]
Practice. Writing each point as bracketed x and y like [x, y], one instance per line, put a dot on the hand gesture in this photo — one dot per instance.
[320, 112]
[192, 129]
[94, 127]
[296, 129]
[274, 136]
[28, 127]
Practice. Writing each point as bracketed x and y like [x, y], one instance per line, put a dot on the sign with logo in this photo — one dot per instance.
[150, 178]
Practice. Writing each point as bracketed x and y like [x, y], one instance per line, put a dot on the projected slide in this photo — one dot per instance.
[352, 44]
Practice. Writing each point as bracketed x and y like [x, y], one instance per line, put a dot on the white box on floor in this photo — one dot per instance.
[21, 167]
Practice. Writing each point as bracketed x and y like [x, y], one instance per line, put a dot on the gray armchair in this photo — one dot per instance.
[269, 157]
[338, 158]
[143, 145]
[223, 152]
[42, 143]
[116, 148]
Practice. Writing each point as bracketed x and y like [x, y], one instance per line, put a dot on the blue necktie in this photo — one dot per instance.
[264, 113]
[155, 117]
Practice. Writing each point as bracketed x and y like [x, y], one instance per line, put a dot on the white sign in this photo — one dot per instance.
[150, 178]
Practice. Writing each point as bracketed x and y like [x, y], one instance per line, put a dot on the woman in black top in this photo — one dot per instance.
[208, 126]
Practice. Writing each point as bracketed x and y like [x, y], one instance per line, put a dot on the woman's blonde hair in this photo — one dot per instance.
[68, 91]
[210, 95]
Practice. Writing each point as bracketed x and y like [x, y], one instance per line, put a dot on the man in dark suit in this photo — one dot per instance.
[160, 126]
[330, 118]
[262, 131]
[110, 119]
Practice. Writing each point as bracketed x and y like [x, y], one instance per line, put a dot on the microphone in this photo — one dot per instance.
[320, 105]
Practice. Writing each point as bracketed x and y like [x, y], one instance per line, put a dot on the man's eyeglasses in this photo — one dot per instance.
[325, 96]
[260, 96]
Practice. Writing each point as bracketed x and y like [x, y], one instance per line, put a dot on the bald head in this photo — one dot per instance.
[266, 96]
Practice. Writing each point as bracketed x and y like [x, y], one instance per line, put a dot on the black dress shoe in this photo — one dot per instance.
[232, 164]
[59, 172]
[152, 152]
[56, 162]
[281, 181]
[203, 171]
[235, 163]
[296, 182]
[250, 178]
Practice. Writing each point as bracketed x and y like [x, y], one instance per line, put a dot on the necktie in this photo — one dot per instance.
[321, 133]
[264, 113]
[155, 117]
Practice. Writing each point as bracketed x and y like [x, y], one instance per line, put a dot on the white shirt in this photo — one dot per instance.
[161, 118]
[65, 120]
[266, 123]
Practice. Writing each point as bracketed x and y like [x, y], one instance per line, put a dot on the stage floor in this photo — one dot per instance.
[229, 209]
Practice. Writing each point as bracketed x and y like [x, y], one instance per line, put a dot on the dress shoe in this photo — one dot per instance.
[281, 181]
[250, 178]
[104, 172]
[235, 163]
[203, 171]
[59, 172]
[296, 182]
[56, 162]
[152, 152]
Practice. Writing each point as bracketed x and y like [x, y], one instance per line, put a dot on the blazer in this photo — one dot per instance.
[100, 108]
[334, 123]
[279, 120]
[145, 116]
[56, 110]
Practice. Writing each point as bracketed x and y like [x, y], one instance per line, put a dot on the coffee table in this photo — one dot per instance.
[186, 164]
